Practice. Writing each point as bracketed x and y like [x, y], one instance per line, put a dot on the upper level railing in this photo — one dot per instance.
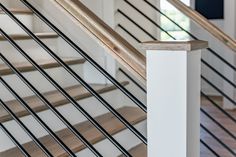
[204, 23]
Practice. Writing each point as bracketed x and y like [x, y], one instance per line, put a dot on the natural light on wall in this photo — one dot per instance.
[178, 17]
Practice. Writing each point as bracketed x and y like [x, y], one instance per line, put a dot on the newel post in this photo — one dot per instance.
[173, 98]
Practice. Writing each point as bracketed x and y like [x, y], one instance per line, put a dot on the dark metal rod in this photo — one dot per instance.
[135, 23]
[218, 73]
[218, 107]
[46, 102]
[77, 77]
[133, 80]
[65, 94]
[122, 27]
[190, 34]
[218, 90]
[31, 135]
[153, 22]
[217, 123]
[209, 148]
[19, 146]
[218, 140]
[39, 120]
[87, 57]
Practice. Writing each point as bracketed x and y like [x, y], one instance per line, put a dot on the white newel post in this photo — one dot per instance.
[173, 98]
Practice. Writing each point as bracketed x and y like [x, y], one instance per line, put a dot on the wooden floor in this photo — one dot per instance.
[216, 130]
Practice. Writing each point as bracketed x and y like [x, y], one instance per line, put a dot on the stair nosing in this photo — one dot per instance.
[18, 11]
[42, 35]
[28, 67]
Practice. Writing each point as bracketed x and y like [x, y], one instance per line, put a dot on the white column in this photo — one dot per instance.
[173, 98]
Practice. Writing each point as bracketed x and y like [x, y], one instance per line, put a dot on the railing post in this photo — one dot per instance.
[173, 98]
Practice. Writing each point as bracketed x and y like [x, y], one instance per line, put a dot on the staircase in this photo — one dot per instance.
[38, 119]
[54, 101]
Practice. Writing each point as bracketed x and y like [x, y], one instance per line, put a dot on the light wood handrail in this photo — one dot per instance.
[121, 50]
[204, 23]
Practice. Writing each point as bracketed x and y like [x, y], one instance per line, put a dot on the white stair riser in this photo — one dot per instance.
[58, 74]
[126, 138]
[10, 27]
[69, 111]
[30, 47]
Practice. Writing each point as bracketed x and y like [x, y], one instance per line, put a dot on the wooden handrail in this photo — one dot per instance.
[124, 52]
[204, 23]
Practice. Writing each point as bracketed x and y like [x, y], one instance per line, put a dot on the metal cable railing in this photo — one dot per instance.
[205, 113]
[39, 120]
[65, 94]
[21, 124]
[13, 139]
[58, 114]
[86, 56]
[209, 148]
[79, 79]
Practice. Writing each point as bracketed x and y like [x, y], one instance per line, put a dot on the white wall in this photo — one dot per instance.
[228, 26]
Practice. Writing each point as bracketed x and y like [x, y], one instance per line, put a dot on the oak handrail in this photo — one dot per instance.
[124, 52]
[204, 23]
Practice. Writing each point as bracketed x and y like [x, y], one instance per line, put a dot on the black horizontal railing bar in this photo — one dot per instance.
[87, 57]
[135, 82]
[37, 118]
[209, 82]
[136, 39]
[218, 124]
[152, 21]
[190, 34]
[13, 139]
[29, 133]
[218, 90]
[77, 77]
[48, 104]
[218, 107]
[65, 94]
[209, 148]
[149, 34]
[218, 140]
[218, 73]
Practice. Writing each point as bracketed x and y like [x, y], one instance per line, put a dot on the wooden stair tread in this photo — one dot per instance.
[108, 121]
[46, 64]
[18, 11]
[55, 98]
[44, 35]
[138, 151]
